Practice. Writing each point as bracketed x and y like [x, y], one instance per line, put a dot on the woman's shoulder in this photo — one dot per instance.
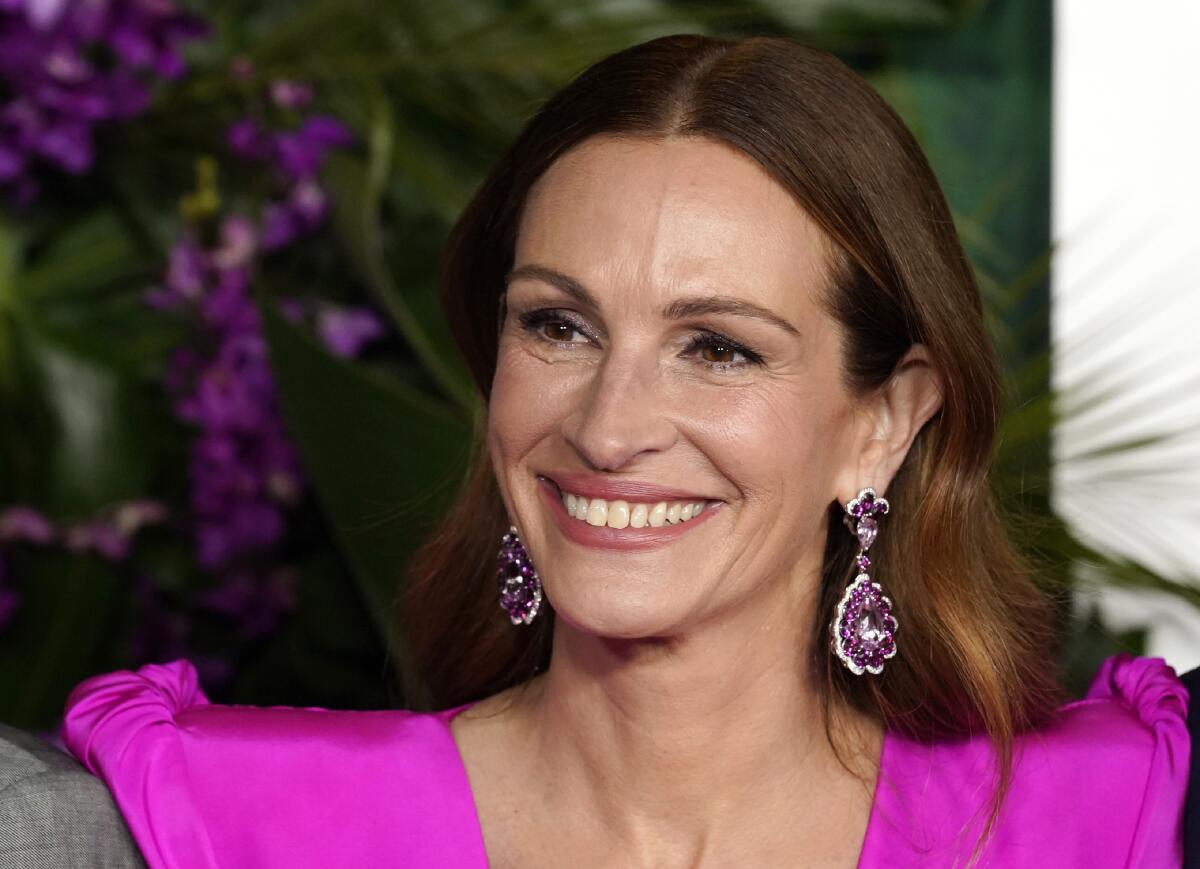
[1101, 784]
[210, 784]
[1120, 755]
[1134, 713]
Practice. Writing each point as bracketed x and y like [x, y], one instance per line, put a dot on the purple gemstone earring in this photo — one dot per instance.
[864, 629]
[520, 586]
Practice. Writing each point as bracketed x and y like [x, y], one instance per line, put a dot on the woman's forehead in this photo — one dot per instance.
[682, 214]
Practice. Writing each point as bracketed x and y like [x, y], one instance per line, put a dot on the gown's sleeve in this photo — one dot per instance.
[122, 727]
[1101, 785]
[210, 785]
[1152, 691]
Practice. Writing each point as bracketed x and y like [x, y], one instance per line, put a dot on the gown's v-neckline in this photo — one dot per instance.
[866, 850]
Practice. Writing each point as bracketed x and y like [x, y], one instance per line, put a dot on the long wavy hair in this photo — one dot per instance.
[975, 647]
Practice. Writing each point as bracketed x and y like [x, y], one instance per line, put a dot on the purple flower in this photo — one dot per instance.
[184, 278]
[101, 536]
[301, 152]
[247, 140]
[55, 95]
[288, 94]
[308, 204]
[67, 144]
[345, 331]
[243, 469]
[43, 14]
[280, 226]
[327, 131]
[21, 523]
[131, 516]
[297, 153]
[146, 34]
[239, 242]
[12, 163]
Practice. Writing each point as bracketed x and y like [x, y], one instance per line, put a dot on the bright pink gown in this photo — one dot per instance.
[205, 785]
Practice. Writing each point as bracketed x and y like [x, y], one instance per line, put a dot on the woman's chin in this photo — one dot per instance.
[620, 618]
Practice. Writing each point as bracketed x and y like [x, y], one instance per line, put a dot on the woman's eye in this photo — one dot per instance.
[718, 353]
[722, 354]
[713, 350]
[552, 327]
[556, 330]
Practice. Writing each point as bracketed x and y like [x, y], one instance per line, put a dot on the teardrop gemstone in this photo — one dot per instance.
[867, 529]
[869, 627]
[864, 629]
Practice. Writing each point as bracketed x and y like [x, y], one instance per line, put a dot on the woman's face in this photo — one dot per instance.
[663, 333]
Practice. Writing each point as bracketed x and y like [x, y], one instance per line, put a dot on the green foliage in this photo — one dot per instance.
[383, 458]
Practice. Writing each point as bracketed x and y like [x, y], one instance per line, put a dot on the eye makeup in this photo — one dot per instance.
[535, 323]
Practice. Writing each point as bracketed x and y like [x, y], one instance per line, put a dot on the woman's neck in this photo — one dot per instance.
[692, 739]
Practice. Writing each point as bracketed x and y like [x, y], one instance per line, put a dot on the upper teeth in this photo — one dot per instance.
[622, 514]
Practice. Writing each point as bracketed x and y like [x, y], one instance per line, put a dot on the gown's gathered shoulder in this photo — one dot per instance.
[1102, 785]
[208, 785]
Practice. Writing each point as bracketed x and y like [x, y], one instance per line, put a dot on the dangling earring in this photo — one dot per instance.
[864, 629]
[520, 586]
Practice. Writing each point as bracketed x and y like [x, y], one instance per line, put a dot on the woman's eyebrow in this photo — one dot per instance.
[689, 306]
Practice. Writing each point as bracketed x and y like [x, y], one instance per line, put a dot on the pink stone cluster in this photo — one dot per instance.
[864, 629]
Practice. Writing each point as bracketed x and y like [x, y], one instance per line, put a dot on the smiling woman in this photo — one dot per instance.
[726, 275]
[715, 304]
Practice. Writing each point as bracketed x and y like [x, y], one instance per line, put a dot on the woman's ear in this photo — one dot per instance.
[889, 421]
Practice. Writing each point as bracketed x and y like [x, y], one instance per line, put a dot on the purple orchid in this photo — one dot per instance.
[108, 535]
[297, 152]
[244, 471]
[288, 94]
[56, 94]
[345, 331]
[101, 536]
[25, 524]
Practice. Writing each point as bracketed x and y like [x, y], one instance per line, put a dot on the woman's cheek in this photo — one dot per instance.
[529, 397]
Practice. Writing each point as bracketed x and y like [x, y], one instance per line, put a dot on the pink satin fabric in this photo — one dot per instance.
[205, 785]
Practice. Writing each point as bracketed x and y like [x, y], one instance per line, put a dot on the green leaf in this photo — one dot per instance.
[89, 422]
[383, 459]
[327, 653]
[61, 633]
[358, 196]
[90, 255]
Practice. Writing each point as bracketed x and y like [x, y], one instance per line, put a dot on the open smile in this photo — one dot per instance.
[619, 524]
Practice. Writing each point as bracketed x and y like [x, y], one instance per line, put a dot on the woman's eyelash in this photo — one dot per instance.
[705, 340]
[533, 322]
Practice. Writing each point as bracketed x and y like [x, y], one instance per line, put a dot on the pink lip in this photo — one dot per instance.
[624, 539]
[630, 490]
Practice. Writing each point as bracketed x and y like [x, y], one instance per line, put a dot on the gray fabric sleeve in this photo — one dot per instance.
[54, 813]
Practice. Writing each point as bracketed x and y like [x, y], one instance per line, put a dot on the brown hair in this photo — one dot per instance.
[976, 632]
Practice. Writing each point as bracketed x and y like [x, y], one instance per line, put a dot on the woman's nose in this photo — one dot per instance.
[621, 413]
